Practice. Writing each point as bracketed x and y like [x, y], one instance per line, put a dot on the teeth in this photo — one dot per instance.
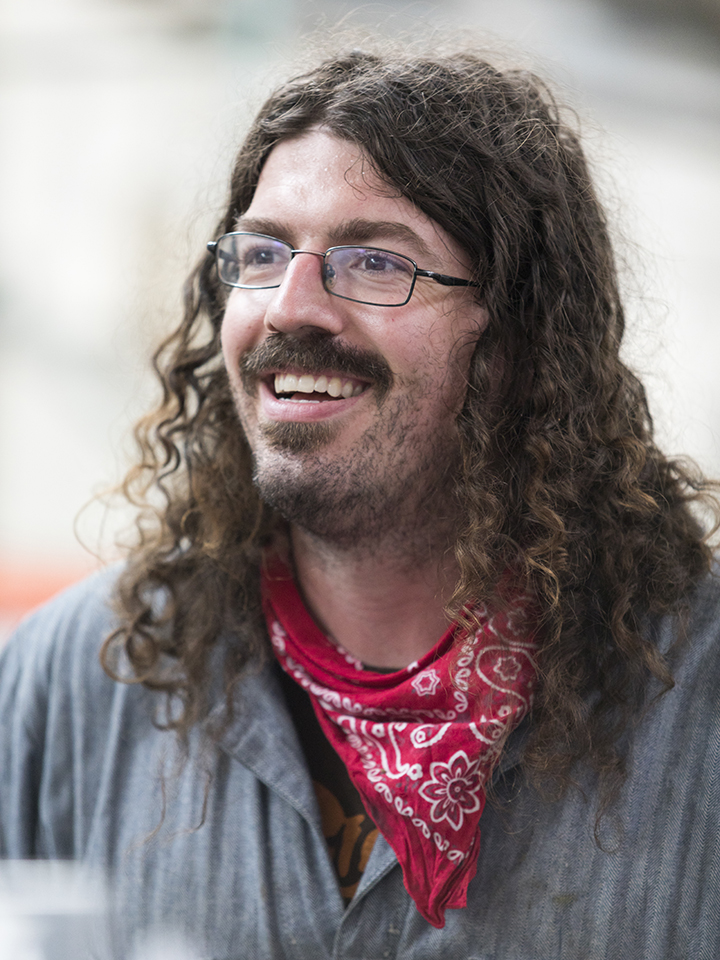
[334, 387]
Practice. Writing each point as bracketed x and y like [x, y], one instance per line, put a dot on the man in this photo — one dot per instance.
[416, 551]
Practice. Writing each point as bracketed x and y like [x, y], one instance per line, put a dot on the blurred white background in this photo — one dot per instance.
[118, 122]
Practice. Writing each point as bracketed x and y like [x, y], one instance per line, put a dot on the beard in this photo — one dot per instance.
[394, 486]
[297, 437]
[364, 497]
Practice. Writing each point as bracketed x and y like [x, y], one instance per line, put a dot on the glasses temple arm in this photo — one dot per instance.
[445, 280]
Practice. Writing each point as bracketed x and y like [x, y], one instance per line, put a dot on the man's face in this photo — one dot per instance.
[383, 452]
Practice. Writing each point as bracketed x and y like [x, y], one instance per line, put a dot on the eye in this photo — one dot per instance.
[265, 255]
[381, 263]
[377, 262]
[253, 260]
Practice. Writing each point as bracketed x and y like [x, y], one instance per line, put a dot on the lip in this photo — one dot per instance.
[303, 411]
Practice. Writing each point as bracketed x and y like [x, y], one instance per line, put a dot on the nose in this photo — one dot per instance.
[301, 302]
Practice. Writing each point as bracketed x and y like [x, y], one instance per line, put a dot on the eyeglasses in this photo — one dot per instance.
[369, 275]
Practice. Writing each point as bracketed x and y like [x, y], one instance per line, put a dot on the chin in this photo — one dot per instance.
[299, 501]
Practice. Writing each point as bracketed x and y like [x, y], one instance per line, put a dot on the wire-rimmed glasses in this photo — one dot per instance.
[381, 278]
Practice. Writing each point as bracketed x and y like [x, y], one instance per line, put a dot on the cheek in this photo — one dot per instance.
[228, 341]
[236, 336]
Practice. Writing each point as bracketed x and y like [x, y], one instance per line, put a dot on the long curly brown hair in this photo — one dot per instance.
[560, 479]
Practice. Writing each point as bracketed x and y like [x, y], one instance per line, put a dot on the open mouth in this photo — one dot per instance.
[307, 386]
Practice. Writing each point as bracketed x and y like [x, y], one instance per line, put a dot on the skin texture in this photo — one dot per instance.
[366, 482]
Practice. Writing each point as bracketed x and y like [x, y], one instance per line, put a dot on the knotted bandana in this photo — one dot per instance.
[421, 743]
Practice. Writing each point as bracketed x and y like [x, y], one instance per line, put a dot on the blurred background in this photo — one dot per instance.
[118, 123]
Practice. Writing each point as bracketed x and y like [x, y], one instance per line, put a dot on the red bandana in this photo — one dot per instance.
[419, 744]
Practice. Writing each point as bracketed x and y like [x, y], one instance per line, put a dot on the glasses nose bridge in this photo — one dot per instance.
[313, 253]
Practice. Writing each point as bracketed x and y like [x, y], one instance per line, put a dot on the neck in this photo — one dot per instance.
[385, 607]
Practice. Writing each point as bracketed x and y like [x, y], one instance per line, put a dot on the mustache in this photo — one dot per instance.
[315, 351]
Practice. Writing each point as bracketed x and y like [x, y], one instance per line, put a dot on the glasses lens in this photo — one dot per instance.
[252, 260]
[369, 275]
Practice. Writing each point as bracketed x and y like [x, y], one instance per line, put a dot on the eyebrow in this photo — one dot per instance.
[357, 230]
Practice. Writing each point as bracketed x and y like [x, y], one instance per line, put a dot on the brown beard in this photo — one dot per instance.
[297, 437]
[401, 502]
[374, 492]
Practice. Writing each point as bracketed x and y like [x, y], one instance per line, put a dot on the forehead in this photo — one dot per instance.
[319, 190]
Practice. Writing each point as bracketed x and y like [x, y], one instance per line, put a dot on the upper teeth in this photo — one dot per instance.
[290, 383]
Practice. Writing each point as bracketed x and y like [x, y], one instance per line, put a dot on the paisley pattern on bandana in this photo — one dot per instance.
[421, 743]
